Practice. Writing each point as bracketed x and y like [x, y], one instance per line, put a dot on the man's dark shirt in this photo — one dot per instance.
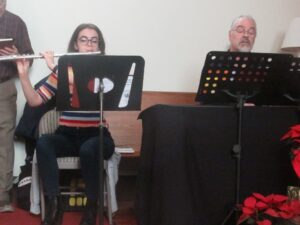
[12, 26]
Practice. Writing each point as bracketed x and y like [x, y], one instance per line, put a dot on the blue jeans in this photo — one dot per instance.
[69, 141]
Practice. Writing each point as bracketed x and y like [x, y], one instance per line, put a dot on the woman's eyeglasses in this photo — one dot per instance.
[86, 41]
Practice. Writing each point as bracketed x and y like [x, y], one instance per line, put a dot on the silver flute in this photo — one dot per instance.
[16, 57]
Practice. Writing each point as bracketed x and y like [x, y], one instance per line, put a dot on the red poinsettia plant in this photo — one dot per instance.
[292, 137]
[262, 210]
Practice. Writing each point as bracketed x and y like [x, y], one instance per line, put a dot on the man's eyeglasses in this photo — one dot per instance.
[86, 41]
[241, 29]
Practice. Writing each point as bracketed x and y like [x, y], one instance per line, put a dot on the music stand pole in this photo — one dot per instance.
[100, 157]
[237, 151]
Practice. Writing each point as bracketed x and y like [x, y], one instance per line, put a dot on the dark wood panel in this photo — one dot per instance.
[127, 129]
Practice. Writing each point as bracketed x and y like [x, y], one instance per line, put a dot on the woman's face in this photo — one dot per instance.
[87, 41]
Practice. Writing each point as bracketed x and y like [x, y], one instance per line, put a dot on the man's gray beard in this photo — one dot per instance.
[245, 49]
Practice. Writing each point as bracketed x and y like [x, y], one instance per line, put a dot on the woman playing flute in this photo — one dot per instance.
[77, 134]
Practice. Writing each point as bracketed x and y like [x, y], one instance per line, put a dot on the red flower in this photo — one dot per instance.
[293, 133]
[293, 138]
[286, 211]
[264, 222]
[261, 208]
[272, 212]
[296, 162]
[295, 206]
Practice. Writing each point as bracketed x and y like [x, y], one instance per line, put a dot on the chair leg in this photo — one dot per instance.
[42, 199]
[108, 200]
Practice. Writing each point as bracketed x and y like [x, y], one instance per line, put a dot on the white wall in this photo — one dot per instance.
[173, 36]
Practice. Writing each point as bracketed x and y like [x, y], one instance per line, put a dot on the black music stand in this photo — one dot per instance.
[84, 81]
[291, 83]
[257, 76]
[234, 78]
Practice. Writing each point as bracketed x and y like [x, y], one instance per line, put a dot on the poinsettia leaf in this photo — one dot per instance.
[279, 198]
[286, 215]
[296, 165]
[248, 211]
[270, 198]
[290, 134]
[293, 132]
[250, 202]
[264, 222]
[284, 207]
[296, 127]
[260, 197]
[295, 206]
[285, 136]
[271, 212]
[296, 152]
[242, 218]
[261, 205]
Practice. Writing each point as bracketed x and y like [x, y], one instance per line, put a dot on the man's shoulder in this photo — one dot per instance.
[11, 16]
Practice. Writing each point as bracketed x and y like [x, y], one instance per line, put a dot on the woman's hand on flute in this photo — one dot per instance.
[23, 67]
[49, 58]
[32, 97]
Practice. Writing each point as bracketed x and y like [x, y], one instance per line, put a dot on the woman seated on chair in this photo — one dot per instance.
[73, 137]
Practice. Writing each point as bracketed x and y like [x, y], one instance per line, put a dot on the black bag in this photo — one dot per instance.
[24, 185]
[27, 127]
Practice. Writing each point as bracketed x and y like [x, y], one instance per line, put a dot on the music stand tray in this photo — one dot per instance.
[257, 76]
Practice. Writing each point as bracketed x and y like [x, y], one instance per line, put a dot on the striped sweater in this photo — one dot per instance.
[68, 118]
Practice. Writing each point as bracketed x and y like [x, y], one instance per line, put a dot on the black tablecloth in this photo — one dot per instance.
[187, 173]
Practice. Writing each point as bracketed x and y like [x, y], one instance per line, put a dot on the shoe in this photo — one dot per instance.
[90, 214]
[5, 205]
[54, 211]
[6, 208]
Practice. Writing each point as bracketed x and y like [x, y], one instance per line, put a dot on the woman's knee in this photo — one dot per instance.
[109, 147]
[88, 150]
[91, 147]
[44, 143]
[47, 145]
